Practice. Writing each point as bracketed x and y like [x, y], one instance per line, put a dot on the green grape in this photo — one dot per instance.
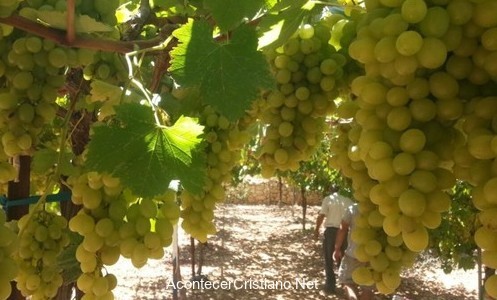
[140, 255]
[328, 66]
[26, 112]
[92, 198]
[306, 31]
[33, 44]
[484, 12]
[22, 80]
[81, 223]
[164, 228]
[432, 54]
[103, 71]
[281, 61]
[8, 100]
[291, 47]
[100, 286]
[117, 210]
[148, 208]
[19, 46]
[104, 227]
[414, 11]
[409, 42]
[142, 225]
[285, 129]
[460, 11]
[385, 50]
[302, 93]
[443, 86]
[57, 57]
[327, 83]
[25, 62]
[86, 56]
[152, 240]
[435, 23]
[92, 242]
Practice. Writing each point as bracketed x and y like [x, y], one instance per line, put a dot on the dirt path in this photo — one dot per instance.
[261, 252]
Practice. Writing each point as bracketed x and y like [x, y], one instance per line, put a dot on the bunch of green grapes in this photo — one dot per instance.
[8, 246]
[399, 150]
[429, 69]
[105, 66]
[402, 111]
[403, 159]
[476, 163]
[383, 251]
[385, 255]
[42, 237]
[32, 76]
[98, 222]
[115, 223]
[224, 141]
[95, 65]
[443, 58]
[308, 72]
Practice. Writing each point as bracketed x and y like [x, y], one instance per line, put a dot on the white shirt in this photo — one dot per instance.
[350, 213]
[334, 207]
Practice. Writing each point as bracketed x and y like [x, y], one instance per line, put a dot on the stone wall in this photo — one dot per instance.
[267, 191]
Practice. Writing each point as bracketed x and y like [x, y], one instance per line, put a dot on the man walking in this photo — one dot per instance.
[333, 209]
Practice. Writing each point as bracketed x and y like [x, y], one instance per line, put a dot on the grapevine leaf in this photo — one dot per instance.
[145, 156]
[230, 13]
[45, 159]
[57, 19]
[67, 261]
[103, 91]
[228, 75]
[278, 27]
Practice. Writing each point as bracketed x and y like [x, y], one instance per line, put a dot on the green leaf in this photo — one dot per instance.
[145, 156]
[103, 91]
[57, 19]
[278, 27]
[45, 159]
[67, 261]
[230, 13]
[228, 75]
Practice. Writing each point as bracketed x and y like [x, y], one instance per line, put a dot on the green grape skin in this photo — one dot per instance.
[34, 44]
[26, 113]
[57, 57]
[104, 227]
[306, 31]
[22, 80]
[8, 100]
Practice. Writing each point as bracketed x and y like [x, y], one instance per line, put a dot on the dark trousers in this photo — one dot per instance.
[328, 247]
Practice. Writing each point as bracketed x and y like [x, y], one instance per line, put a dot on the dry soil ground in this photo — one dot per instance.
[266, 246]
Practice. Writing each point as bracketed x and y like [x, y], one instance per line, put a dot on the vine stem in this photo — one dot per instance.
[137, 83]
